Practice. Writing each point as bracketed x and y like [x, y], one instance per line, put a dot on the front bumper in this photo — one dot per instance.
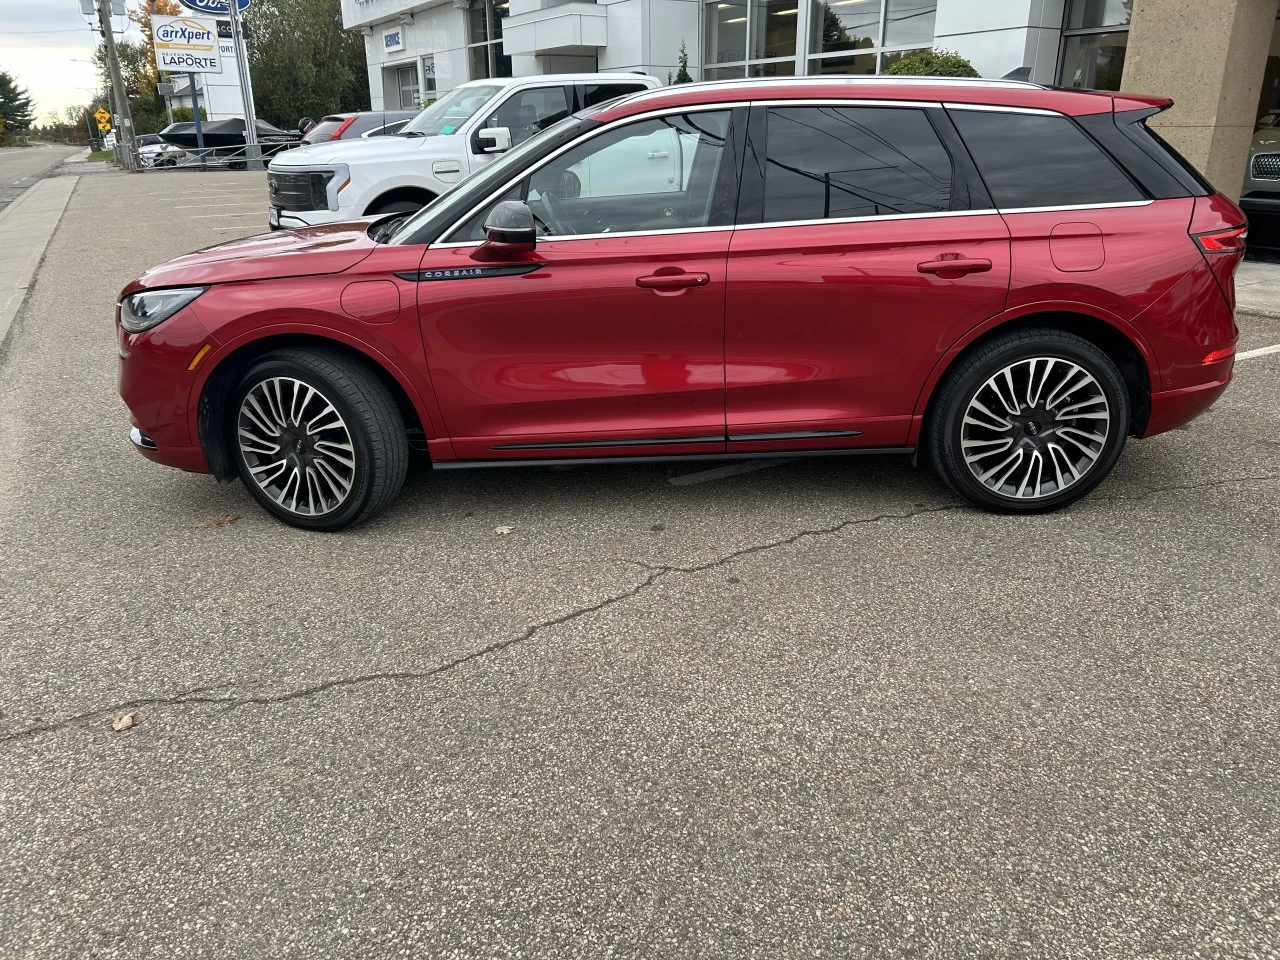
[278, 219]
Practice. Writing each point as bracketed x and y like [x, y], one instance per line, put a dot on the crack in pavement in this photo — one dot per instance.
[656, 573]
[198, 695]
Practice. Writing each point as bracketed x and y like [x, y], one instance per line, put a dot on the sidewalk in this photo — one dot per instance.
[25, 228]
[1258, 288]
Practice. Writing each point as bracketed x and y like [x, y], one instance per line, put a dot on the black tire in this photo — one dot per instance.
[394, 206]
[1031, 430]
[369, 416]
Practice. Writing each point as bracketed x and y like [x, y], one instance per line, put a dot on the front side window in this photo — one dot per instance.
[528, 112]
[596, 93]
[444, 117]
[1036, 161]
[657, 174]
[835, 162]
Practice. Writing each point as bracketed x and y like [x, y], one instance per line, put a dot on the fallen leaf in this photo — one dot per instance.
[502, 531]
[220, 521]
[124, 723]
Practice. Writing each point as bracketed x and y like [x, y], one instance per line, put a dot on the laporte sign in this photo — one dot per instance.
[186, 45]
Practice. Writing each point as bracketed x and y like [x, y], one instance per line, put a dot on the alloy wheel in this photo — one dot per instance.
[296, 446]
[1035, 428]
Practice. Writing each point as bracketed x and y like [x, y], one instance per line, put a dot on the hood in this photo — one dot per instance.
[309, 252]
[375, 148]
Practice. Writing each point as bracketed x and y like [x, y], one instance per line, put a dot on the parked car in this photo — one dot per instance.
[153, 151]
[1260, 194]
[353, 126]
[462, 131]
[1004, 279]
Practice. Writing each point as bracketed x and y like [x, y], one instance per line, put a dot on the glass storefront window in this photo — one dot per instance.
[1094, 61]
[862, 63]
[774, 38]
[1094, 38]
[726, 32]
[844, 25]
[773, 28]
[1086, 14]
[887, 60]
[774, 68]
[909, 21]
[484, 38]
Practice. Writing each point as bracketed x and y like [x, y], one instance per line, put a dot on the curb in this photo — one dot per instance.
[15, 287]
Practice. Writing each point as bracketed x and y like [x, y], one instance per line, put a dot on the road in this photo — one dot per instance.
[21, 167]
[817, 709]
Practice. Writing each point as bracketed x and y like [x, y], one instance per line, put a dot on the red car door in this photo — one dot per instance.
[607, 339]
[858, 276]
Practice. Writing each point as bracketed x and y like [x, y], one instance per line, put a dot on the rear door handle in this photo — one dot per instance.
[673, 281]
[959, 265]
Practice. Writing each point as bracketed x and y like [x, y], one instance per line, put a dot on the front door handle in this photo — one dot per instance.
[673, 281]
[958, 266]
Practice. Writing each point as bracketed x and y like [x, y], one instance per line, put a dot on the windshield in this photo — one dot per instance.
[489, 177]
[450, 112]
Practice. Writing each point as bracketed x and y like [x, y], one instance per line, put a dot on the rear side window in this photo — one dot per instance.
[834, 162]
[1029, 160]
[594, 93]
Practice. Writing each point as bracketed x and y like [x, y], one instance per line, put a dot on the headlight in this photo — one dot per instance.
[142, 311]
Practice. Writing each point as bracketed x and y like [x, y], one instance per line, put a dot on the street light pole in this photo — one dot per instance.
[119, 94]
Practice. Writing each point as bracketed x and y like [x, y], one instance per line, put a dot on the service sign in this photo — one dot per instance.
[186, 45]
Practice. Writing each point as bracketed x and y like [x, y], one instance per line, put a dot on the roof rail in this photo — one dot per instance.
[840, 79]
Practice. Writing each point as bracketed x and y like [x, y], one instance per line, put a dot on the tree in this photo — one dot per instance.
[933, 63]
[304, 64]
[15, 106]
[682, 75]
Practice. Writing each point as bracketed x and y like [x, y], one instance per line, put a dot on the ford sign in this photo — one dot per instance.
[221, 7]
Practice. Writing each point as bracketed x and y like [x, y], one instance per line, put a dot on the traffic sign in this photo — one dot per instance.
[103, 126]
[218, 7]
[101, 115]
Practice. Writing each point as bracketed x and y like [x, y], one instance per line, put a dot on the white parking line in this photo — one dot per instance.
[1260, 352]
[219, 216]
[732, 470]
[240, 203]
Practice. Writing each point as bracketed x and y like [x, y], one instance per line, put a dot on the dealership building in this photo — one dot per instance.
[1217, 58]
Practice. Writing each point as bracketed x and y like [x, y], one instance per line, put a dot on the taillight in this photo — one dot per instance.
[337, 134]
[1223, 241]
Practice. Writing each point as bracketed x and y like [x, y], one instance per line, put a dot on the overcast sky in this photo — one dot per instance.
[42, 42]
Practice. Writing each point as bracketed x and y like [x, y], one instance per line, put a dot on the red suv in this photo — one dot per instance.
[1006, 278]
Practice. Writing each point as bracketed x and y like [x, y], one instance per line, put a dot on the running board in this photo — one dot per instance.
[681, 458]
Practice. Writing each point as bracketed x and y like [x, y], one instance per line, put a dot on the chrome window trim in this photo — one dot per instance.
[843, 102]
[871, 219]
[593, 236]
[1077, 206]
[997, 108]
[529, 171]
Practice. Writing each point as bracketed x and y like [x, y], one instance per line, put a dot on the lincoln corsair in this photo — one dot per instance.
[1004, 280]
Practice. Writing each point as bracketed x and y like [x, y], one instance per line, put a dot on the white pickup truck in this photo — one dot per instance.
[463, 130]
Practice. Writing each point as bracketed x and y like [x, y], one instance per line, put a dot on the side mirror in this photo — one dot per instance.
[508, 230]
[494, 139]
[305, 124]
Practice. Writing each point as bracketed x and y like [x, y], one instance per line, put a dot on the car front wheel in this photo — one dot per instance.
[318, 438]
[1031, 421]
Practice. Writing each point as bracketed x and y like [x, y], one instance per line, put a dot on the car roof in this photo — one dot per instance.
[929, 90]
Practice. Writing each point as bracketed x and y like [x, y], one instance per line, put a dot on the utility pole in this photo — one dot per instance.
[119, 94]
[253, 153]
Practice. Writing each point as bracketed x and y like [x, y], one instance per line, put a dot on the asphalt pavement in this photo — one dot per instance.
[22, 167]
[814, 709]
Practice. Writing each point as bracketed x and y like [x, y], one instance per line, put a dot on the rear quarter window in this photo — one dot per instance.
[1030, 160]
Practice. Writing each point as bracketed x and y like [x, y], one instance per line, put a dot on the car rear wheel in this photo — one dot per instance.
[319, 440]
[1030, 422]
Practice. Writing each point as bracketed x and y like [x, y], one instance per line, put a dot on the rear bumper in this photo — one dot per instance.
[1173, 408]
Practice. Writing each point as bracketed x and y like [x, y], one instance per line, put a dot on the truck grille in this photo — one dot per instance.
[298, 191]
[1266, 166]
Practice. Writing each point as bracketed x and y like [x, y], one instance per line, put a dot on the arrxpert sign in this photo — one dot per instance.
[186, 45]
